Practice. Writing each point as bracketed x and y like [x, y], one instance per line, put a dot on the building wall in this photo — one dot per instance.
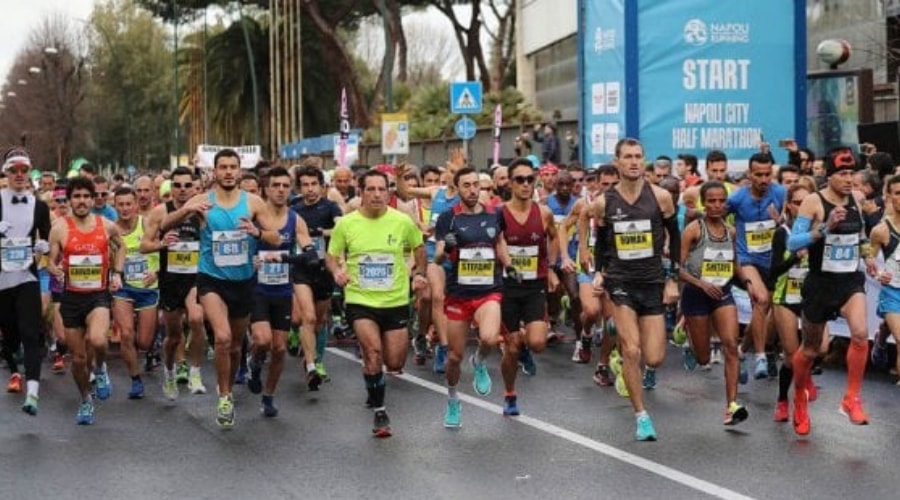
[860, 22]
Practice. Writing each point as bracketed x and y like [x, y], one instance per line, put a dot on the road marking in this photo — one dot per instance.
[573, 437]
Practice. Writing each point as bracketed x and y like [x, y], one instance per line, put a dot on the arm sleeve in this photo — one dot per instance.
[671, 225]
[779, 264]
[601, 248]
[801, 235]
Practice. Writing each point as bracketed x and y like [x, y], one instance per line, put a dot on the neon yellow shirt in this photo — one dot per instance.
[136, 263]
[373, 250]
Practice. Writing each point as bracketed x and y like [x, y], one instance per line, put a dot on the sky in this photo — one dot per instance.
[20, 17]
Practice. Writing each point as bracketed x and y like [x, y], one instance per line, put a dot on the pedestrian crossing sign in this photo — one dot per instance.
[465, 97]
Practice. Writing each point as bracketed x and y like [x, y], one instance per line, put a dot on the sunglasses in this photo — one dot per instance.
[61, 200]
[523, 179]
[18, 169]
[179, 185]
[410, 177]
[101, 194]
[577, 179]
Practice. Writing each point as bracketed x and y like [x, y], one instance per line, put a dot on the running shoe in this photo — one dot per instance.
[182, 372]
[812, 392]
[481, 381]
[151, 361]
[645, 430]
[268, 407]
[602, 376]
[453, 415]
[586, 354]
[851, 407]
[688, 359]
[240, 376]
[85, 415]
[293, 342]
[510, 406]
[137, 389]
[420, 346]
[649, 378]
[15, 383]
[781, 411]
[744, 372]
[195, 384]
[382, 426]
[735, 414]
[705, 368]
[715, 353]
[254, 378]
[817, 366]
[225, 412]
[576, 354]
[313, 380]
[772, 365]
[879, 355]
[526, 361]
[59, 364]
[104, 385]
[761, 370]
[170, 387]
[801, 413]
[440, 360]
[31, 405]
[323, 374]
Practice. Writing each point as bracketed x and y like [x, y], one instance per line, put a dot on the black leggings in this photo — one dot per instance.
[21, 322]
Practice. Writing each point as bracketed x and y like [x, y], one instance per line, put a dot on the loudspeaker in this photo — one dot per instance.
[884, 135]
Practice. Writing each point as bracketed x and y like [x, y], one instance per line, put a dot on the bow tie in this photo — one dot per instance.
[19, 199]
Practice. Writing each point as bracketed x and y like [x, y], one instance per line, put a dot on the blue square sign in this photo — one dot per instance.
[465, 97]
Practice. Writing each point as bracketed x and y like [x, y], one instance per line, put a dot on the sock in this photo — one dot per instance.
[511, 393]
[136, 377]
[375, 388]
[452, 392]
[310, 367]
[785, 375]
[857, 355]
[640, 414]
[170, 373]
[321, 342]
[802, 365]
[31, 387]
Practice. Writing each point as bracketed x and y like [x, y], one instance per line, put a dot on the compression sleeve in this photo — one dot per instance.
[601, 248]
[671, 225]
[801, 236]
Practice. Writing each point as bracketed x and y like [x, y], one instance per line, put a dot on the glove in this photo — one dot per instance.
[450, 241]
[513, 274]
[309, 258]
[4, 227]
[42, 247]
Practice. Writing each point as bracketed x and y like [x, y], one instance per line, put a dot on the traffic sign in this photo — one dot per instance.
[465, 128]
[465, 97]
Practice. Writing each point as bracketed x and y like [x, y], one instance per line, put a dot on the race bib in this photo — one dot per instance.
[86, 272]
[376, 271]
[183, 257]
[230, 248]
[634, 239]
[718, 266]
[15, 254]
[136, 266]
[476, 266]
[759, 235]
[273, 273]
[841, 253]
[525, 260]
[794, 285]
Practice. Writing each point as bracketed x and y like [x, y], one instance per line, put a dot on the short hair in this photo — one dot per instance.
[882, 163]
[466, 171]
[715, 155]
[871, 178]
[80, 182]
[575, 166]
[627, 141]
[226, 153]
[711, 185]
[894, 179]
[123, 191]
[277, 172]
[249, 176]
[313, 161]
[99, 179]
[518, 162]
[371, 173]
[309, 171]
[182, 171]
[88, 168]
[760, 158]
[789, 169]
[689, 160]
[48, 174]
[607, 169]
[118, 177]
[430, 169]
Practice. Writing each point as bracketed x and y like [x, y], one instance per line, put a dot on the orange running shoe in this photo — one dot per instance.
[15, 383]
[801, 413]
[59, 363]
[781, 411]
[852, 408]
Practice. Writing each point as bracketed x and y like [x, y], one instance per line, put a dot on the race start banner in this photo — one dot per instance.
[691, 76]
[206, 154]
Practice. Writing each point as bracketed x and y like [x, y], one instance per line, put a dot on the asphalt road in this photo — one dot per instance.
[574, 440]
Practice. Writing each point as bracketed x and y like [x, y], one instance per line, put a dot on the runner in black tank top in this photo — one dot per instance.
[830, 225]
[629, 252]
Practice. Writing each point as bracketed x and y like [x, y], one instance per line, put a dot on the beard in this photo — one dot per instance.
[228, 187]
[504, 193]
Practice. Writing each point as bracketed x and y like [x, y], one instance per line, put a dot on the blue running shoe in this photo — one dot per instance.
[761, 369]
[482, 379]
[85, 415]
[137, 389]
[510, 408]
[240, 377]
[645, 430]
[688, 359]
[526, 361]
[453, 415]
[440, 360]
[744, 372]
[268, 407]
[103, 385]
[649, 378]
[31, 405]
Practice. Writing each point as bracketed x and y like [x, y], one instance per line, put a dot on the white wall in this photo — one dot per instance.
[546, 21]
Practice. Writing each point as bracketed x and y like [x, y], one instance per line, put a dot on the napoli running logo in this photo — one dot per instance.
[695, 32]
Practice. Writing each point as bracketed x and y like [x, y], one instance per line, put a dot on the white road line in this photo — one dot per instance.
[591, 444]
